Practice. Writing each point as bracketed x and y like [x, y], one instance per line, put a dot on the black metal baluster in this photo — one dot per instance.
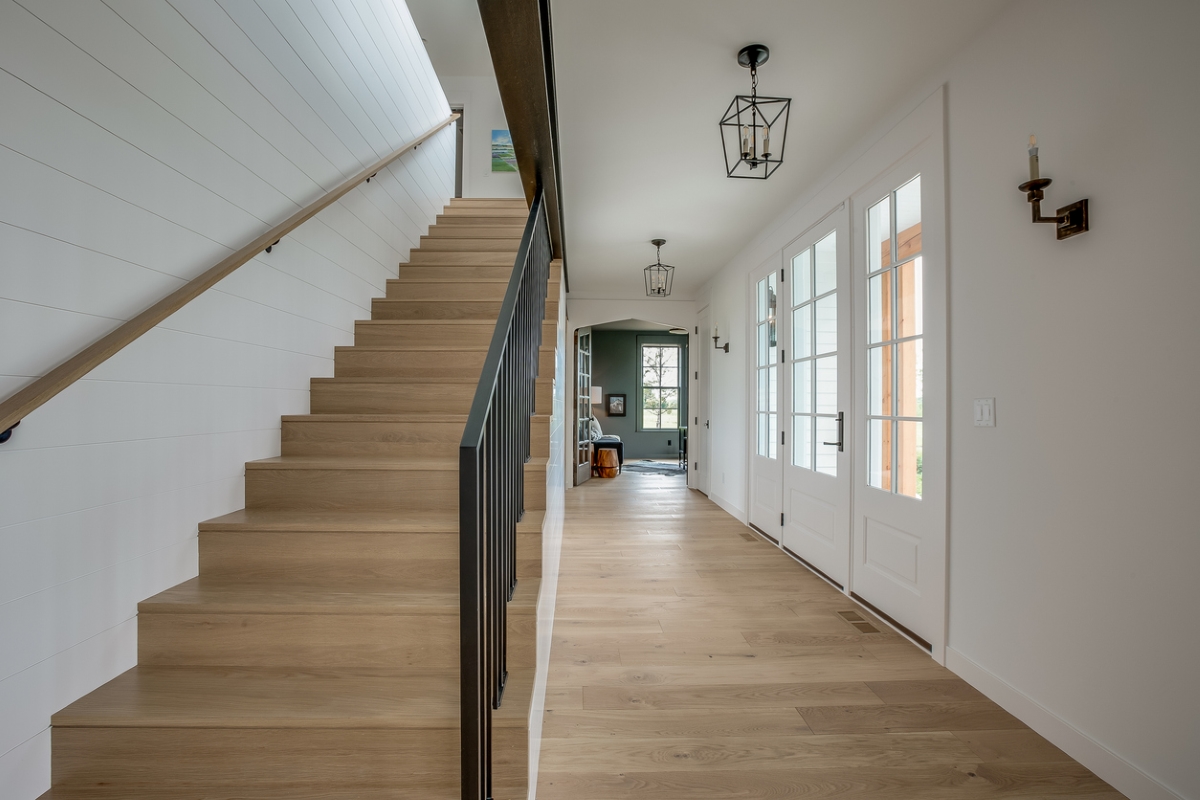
[495, 448]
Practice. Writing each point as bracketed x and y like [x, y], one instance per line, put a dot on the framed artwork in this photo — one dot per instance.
[615, 404]
[504, 158]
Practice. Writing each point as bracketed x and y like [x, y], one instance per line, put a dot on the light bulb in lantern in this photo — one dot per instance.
[766, 141]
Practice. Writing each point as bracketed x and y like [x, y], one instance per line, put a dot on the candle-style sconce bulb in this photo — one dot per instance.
[716, 338]
[1069, 220]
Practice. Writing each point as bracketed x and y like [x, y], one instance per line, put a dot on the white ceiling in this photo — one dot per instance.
[642, 83]
[453, 34]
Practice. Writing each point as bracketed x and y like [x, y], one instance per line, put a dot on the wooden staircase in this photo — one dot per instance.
[316, 655]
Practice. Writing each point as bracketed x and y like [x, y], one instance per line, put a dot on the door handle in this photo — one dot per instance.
[841, 420]
[705, 423]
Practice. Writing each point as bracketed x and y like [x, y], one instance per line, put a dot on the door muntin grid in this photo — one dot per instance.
[583, 401]
[814, 359]
[766, 416]
[895, 342]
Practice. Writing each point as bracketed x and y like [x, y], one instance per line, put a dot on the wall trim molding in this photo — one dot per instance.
[1124, 776]
[729, 507]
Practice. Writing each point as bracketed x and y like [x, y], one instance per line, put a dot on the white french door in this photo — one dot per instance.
[848, 431]
[766, 473]
[817, 388]
[899, 529]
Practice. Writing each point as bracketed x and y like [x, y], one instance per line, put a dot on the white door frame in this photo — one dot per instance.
[919, 133]
[699, 443]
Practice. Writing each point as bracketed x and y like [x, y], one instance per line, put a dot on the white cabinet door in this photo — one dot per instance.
[766, 465]
[899, 523]
[817, 320]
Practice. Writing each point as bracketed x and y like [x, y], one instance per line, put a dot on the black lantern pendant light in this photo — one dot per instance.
[754, 129]
[659, 276]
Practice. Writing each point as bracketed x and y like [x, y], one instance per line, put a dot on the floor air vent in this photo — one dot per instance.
[856, 619]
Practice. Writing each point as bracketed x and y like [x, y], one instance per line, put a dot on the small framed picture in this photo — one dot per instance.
[615, 403]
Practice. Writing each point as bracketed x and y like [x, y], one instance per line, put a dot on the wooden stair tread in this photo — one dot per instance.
[236, 597]
[449, 379]
[223, 792]
[425, 279]
[482, 323]
[395, 463]
[415, 416]
[414, 348]
[202, 596]
[425, 379]
[353, 521]
[420, 348]
[216, 697]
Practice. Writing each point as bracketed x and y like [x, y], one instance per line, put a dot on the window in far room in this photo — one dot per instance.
[660, 387]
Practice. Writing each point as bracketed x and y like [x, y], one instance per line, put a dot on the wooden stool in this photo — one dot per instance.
[606, 463]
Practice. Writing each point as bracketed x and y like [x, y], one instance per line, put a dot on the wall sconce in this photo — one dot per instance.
[716, 338]
[1070, 220]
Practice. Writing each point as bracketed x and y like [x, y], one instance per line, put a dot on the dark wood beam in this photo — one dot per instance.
[519, 36]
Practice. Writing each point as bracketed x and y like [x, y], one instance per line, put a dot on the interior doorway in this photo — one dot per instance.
[459, 144]
[583, 405]
[632, 395]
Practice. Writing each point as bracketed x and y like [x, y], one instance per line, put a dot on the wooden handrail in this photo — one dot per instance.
[19, 405]
[519, 36]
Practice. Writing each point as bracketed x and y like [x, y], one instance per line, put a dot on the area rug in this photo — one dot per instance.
[648, 467]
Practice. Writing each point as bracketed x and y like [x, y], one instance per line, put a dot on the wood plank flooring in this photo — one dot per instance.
[692, 659]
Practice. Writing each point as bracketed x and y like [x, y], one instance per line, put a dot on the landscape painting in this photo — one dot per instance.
[504, 158]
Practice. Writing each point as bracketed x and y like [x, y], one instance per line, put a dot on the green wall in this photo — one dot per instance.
[616, 361]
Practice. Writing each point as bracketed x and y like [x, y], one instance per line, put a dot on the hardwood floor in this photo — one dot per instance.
[692, 659]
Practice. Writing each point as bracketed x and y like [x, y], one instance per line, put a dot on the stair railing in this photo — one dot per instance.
[491, 497]
[19, 405]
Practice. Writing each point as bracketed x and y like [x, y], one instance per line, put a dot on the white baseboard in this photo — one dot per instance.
[729, 507]
[1108, 766]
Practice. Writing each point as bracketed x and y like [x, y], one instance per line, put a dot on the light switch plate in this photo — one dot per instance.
[985, 412]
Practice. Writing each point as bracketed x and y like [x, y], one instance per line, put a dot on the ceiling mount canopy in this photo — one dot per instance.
[659, 276]
[754, 129]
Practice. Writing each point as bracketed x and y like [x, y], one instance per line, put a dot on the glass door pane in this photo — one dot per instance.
[814, 315]
[767, 366]
[895, 342]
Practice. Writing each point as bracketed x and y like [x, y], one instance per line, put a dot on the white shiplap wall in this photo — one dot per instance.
[140, 142]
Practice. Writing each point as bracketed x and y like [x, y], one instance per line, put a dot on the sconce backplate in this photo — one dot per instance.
[1074, 220]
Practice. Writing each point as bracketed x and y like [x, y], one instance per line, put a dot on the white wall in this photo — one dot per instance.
[1073, 537]
[1074, 534]
[482, 112]
[140, 143]
[552, 535]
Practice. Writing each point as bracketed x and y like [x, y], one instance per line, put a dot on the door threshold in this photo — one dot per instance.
[814, 570]
[905, 632]
[762, 533]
